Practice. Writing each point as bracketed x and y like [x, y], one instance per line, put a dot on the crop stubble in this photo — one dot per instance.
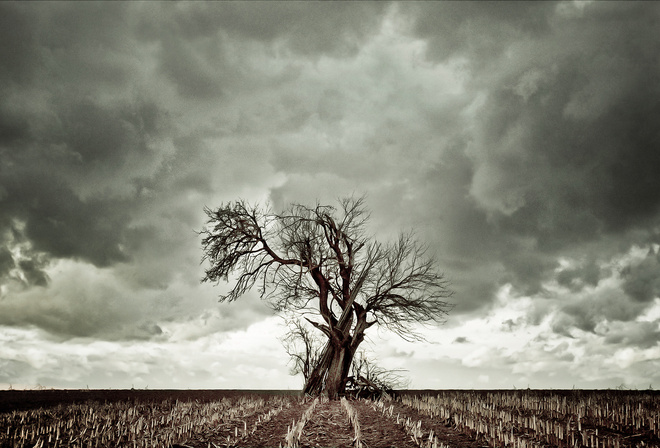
[465, 419]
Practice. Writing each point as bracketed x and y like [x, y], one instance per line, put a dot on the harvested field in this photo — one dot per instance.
[460, 419]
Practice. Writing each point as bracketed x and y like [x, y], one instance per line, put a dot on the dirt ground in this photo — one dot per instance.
[329, 426]
[389, 424]
[445, 434]
[273, 432]
[379, 431]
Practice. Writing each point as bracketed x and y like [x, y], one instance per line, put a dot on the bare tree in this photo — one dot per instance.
[319, 262]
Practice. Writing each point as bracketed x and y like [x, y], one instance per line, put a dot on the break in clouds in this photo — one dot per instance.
[519, 140]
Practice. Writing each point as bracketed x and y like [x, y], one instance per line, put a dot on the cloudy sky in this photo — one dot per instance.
[519, 140]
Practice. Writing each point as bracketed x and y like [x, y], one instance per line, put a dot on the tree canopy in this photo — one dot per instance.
[320, 263]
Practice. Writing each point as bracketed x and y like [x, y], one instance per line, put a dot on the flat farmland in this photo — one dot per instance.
[217, 418]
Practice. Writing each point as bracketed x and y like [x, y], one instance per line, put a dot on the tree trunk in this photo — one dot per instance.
[348, 362]
[330, 374]
[336, 381]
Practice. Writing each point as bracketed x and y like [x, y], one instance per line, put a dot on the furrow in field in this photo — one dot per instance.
[423, 430]
[273, 432]
[380, 430]
[328, 426]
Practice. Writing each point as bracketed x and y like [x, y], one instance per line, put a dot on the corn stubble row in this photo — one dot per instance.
[137, 425]
[296, 430]
[355, 422]
[414, 429]
[531, 419]
[516, 419]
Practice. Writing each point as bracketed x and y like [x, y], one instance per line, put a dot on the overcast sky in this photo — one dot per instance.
[519, 140]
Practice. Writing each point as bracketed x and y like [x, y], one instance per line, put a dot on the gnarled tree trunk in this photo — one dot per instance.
[335, 381]
[331, 373]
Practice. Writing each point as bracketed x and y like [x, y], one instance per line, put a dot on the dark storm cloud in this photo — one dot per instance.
[49, 174]
[575, 278]
[555, 159]
[565, 143]
[13, 128]
[33, 271]
[641, 280]
[639, 334]
[105, 136]
[583, 146]
[79, 134]
[192, 70]
[202, 45]
[61, 224]
[6, 261]
[585, 313]
[478, 31]
[517, 139]
[113, 115]
[61, 147]
[79, 45]
[16, 40]
[325, 28]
